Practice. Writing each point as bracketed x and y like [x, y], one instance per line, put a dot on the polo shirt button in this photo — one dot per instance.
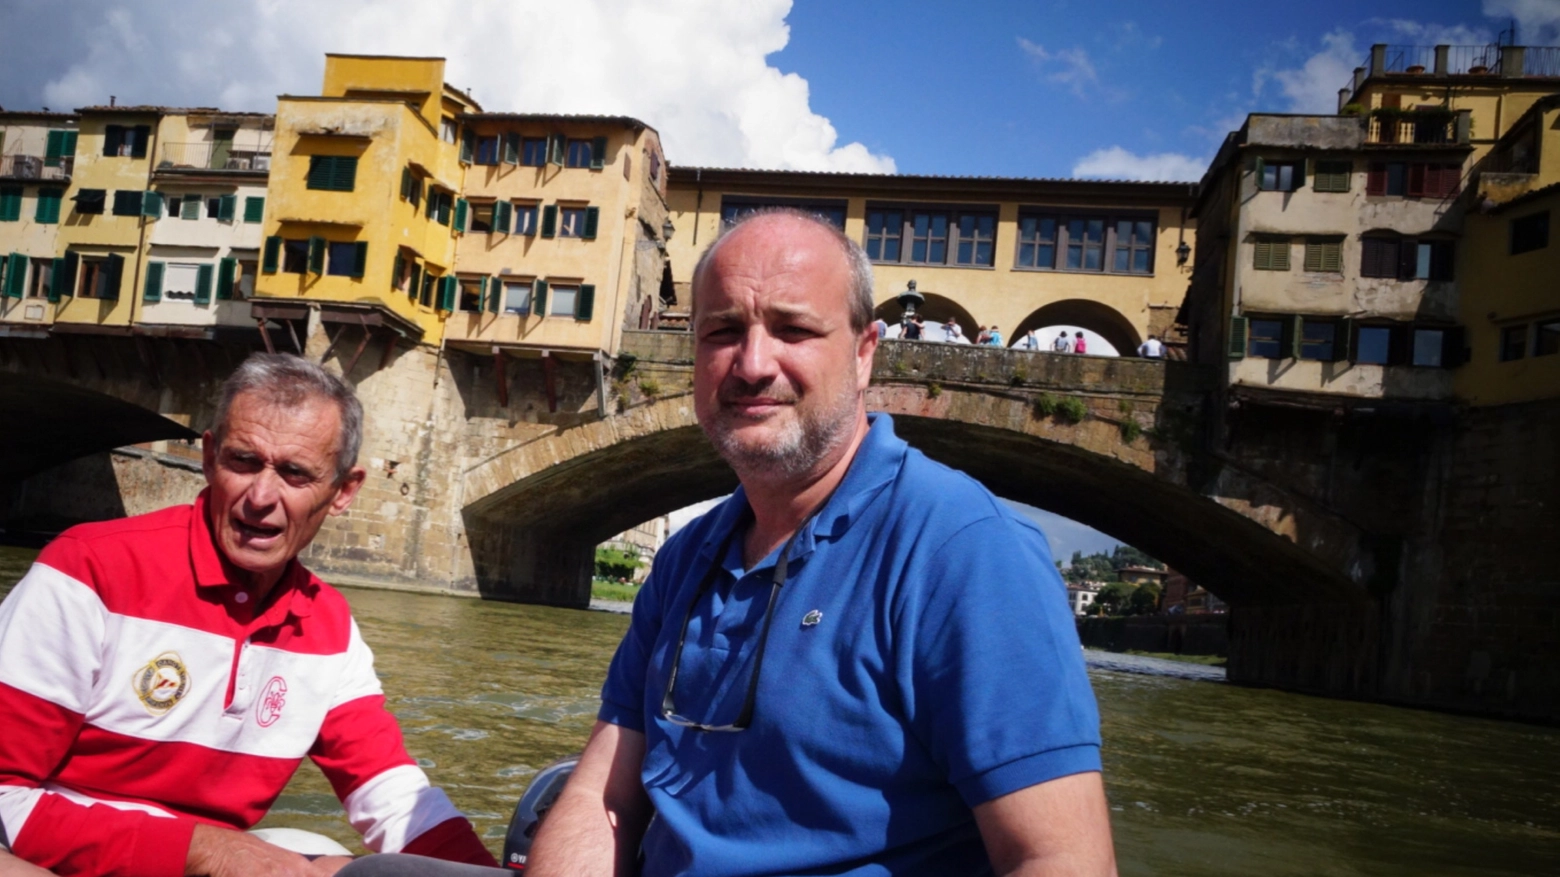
[241, 597]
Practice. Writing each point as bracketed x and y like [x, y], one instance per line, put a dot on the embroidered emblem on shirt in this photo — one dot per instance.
[161, 684]
[272, 699]
[812, 618]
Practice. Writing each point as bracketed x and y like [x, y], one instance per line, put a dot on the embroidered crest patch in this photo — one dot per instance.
[161, 684]
[812, 618]
[269, 708]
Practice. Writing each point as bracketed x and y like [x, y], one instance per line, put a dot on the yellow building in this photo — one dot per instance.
[37, 159]
[1020, 254]
[1510, 259]
[562, 225]
[359, 221]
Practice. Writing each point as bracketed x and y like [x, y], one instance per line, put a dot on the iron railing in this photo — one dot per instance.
[1541, 61]
[36, 167]
[1405, 129]
[219, 156]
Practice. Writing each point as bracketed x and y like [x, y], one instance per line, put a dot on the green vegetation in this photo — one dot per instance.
[1117, 597]
[1018, 377]
[621, 592]
[614, 564]
[1130, 431]
[933, 390]
[898, 368]
[650, 387]
[1045, 406]
[1072, 409]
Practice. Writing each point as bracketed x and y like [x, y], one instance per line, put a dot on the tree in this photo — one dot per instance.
[616, 564]
[1113, 599]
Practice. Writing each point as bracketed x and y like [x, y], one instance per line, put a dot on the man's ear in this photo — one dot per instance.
[347, 489]
[867, 345]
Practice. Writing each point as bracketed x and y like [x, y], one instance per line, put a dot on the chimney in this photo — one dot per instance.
[110, 100]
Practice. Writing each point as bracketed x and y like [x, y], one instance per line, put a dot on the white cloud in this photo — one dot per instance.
[1068, 67]
[1313, 86]
[696, 70]
[1116, 163]
[1538, 21]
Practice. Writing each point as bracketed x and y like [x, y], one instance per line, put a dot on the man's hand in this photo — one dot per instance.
[223, 852]
[325, 866]
[1057, 827]
[11, 866]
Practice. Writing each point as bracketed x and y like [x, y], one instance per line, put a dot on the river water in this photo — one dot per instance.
[1204, 778]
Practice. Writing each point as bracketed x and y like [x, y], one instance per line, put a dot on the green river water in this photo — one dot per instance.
[1203, 777]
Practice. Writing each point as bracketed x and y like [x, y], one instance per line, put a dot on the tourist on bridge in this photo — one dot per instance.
[983, 336]
[860, 662]
[914, 328]
[952, 333]
[881, 326]
[1062, 344]
[1152, 348]
[994, 337]
[1030, 340]
[164, 675]
[1079, 344]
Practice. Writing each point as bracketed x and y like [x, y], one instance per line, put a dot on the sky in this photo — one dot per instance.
[1105, 89]
[1114, 89]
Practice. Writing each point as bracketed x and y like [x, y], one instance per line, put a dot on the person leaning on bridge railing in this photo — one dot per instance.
[164, 675]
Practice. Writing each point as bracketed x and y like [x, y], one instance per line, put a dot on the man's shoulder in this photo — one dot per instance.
[138, 534]
[938, 499]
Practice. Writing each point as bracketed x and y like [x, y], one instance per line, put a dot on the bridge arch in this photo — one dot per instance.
[937, 309]
[534, 514]
[1101, 319]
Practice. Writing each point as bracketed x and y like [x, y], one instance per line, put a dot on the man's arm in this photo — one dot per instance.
[1057, 827]
[11, 866]
[596, 825]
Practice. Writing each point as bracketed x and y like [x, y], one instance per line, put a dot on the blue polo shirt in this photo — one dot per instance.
[922, 660]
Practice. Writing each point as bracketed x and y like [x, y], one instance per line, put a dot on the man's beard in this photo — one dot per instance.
[806, 438]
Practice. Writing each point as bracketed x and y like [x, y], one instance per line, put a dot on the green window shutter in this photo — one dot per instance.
[319, 172]
[550, 220]
[65, 284]
[465, 145]
[433, 203]
[1313, 256]
[462, 207]
[1290, 335]
[203, 285]
[189, 208]
[345, 176]
[1343, 341]
[227, 271]
[143, 134]
[58, 274]
[585, 303]
[503, 215]
[1259, 167]
[539, 297]
[48, 210]
[598, 153]
[1262, 255]
[10, 203]
[1237, 337]
[1332, 257]
[495, 294]
[69, 148]
[15, 275]
[316, 255]
[55, 150]
[406, 182]
[273, 254]
[359, 258]
[447, 293]
[511, 149]
[154, 282]
[397, 268]
[152, 205]
[416, 283]
[592, 217]
[113, 138]
[227, 206]
[254, 209]
[1278, 254]
[555, 149]
[116, 274]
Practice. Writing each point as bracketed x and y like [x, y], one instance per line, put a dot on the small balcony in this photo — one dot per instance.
[36, 167]
[206, 156]
[1416, 128]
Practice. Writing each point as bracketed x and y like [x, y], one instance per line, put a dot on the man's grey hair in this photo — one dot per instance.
[285, 380]
[859, 295]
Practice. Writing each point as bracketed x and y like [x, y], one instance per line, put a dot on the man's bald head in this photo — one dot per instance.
[859, 292]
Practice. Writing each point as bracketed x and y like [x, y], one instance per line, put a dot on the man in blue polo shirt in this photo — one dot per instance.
[860, 663]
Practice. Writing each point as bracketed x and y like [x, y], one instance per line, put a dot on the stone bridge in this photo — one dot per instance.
[1363, 554]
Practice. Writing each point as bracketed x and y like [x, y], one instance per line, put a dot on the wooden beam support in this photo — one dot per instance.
[384, 358]
[293, 331]
[329, 348]
[356, 354]
[501, 376]
[265, 335]
[550, 373]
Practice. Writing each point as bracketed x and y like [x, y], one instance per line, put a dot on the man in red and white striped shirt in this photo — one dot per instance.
[162, 676]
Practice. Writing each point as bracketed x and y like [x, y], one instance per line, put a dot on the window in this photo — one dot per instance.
[439, 204]
[1266, 338]
[571, 222]
[931, 237]
[1413, 179]
[214, 208]
[471, 294]
[120, 140]
[188, 206]
[1373, 345]
[10, 203]
[254, 209]
[100, 277]
[883, 230]
[425, 297]
[732, 209]
[335, 173]
[525, 219]
[1513, 342]
[482, 217]
[1428, 344]
[1529, 233]
[245, 288]
[1114, 244]
[1318, 339]
[578, 154]
[564, 301]
[42, 278]
[127, 203]
[1332, 176]
[90, 202]
[59, 149]
[48, 210]
[1546, 341]
[1324, 255]
[179, 281]
[342, 259]
[533, 151]
[1271, 253]
[447, 130]
[488, 149]
[977, 233]
[295, 256]
[517, 297]
[1406, 258]
[1280, 176]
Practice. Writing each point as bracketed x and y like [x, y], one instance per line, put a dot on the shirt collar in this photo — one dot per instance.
[212, 570]
[877, 461]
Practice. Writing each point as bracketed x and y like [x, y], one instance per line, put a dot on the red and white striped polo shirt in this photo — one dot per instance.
[142, 692]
